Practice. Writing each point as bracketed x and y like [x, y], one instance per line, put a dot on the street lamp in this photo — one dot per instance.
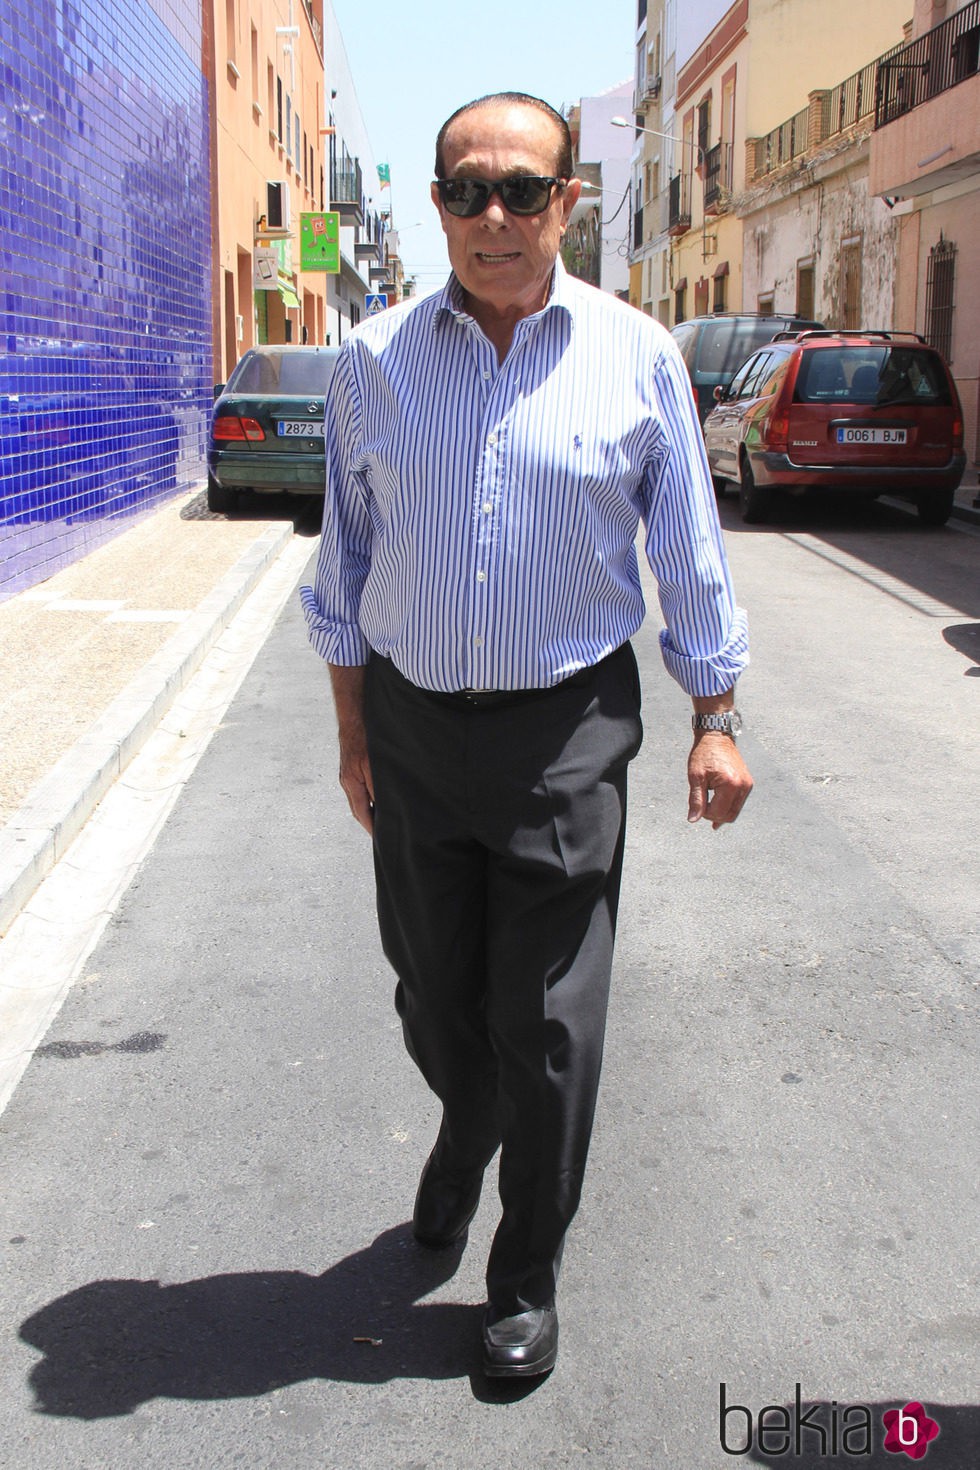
[624, 122]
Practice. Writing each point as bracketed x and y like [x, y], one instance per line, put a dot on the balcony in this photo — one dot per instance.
[679, 205]
[717, 178]
[929, 65]
[927, 112]
[347, 192]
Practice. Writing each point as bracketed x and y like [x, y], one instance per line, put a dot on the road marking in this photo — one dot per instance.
[47, 945]
[148, 615]
[930, 607]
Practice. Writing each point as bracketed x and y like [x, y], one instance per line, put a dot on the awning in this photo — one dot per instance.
[681, 285]
[289, 297]
[721, 270]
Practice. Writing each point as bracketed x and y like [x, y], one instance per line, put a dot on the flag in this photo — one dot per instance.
[384, 175]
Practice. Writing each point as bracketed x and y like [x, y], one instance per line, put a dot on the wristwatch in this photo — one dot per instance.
[727, 722]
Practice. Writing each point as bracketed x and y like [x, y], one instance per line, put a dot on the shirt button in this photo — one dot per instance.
[478, 641]
[487, 507]
[491, 439]
[481, 576]
[486, 376]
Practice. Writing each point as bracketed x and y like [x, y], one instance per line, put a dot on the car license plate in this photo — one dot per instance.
[300, 428]
[872, 436]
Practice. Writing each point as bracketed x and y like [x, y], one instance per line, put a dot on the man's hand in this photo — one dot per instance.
[718, 777]
[355, 768]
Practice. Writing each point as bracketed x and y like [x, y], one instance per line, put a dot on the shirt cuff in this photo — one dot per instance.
[337, 643]
[704, 674]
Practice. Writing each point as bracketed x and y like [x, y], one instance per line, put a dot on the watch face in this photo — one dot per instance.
[735, 723]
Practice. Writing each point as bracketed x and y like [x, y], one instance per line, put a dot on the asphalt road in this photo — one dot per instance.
[206, 1173]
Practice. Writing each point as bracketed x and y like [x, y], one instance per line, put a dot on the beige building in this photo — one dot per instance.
[739, 79]
[925, 162]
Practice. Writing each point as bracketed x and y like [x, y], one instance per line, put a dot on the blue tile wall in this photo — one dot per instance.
[105, 296]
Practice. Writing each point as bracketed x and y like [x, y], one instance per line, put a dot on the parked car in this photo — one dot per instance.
[866, 412]
[714, 347]
[267, 426]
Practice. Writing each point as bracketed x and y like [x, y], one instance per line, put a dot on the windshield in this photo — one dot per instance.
[872, 375]
[300, 373]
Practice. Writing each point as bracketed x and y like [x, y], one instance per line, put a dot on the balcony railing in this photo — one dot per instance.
[316, 26]
[929, 65]
[784, 143]
[347, 191]
[679, 207]
[717, 174]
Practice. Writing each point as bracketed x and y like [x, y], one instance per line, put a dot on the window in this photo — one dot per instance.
[680, 303]
[231, 29]
[279, 108]
[805, 288]
[940, 278]
[704, 127]
[765, 303]
[721, 279]
[850, 284]
[255, 65]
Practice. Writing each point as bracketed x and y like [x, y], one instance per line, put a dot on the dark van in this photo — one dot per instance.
[714, 347]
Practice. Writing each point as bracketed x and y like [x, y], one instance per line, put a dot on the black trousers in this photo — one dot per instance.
[498, 848]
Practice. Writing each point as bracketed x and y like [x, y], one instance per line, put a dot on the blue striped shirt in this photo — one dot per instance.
[480, 520]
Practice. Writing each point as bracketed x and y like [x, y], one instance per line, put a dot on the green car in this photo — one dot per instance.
[267, 427]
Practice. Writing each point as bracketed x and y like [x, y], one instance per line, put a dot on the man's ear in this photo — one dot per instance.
[569, 198]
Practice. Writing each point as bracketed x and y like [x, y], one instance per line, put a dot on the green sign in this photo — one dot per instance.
[319, 242]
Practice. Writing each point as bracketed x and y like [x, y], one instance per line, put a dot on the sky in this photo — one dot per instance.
[415, 64]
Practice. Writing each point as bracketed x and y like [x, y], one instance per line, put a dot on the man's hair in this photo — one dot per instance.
[563, 164]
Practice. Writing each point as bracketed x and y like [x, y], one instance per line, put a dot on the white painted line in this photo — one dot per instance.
[46, 947]
[138, 615]
[84, 604]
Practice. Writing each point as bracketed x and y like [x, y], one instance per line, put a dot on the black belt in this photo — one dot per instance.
[494, 698]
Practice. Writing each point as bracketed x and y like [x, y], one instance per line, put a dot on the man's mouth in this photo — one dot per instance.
[500, 259]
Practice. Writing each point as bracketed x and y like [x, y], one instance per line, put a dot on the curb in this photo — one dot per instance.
[51, 817]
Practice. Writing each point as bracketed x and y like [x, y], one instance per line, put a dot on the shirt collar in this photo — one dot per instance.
[450, 298]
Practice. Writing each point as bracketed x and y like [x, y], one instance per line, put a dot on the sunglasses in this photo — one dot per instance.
[520, 194]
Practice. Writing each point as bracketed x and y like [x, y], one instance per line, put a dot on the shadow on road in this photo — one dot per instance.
[940, 562]
[305, 511]
[111, 1346]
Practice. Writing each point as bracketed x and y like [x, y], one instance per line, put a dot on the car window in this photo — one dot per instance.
[724, 344]
[872, 375]
[760, 370]
[737, 383]
[282, 372]
[684, 337]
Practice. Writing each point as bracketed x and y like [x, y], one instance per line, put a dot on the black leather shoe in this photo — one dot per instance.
[444, 1205]
[520, 1346]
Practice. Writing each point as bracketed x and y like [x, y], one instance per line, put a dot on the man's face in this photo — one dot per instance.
[504, 261]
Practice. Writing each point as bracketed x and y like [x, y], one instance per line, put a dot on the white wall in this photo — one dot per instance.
[600, 142]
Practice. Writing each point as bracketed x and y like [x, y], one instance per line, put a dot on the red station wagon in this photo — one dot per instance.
[869, 412]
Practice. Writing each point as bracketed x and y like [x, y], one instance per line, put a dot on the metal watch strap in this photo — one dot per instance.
[725, 722]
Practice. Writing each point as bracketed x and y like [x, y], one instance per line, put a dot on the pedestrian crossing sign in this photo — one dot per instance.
[374, 302]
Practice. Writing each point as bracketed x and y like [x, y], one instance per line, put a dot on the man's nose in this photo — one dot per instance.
[495, 214]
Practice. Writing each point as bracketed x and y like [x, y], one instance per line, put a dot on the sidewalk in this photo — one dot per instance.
[91, 659]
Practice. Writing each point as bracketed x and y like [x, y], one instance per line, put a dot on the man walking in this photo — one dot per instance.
[491, 451]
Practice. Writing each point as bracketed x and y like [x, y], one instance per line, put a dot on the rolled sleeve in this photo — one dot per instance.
[705, 641]
[331, 605]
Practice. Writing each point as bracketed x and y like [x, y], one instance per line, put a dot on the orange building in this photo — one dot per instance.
[268, 163]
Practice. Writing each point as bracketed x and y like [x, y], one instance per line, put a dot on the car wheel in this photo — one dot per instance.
[935, 506]
[220, 498]
[753, 500]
